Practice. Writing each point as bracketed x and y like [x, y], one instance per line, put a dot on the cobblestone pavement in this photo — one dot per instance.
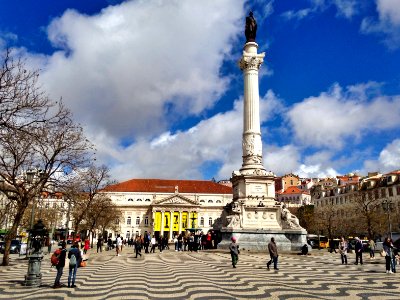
[208, 275]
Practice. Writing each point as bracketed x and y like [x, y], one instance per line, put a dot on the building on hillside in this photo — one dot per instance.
[340, 201]
[287, 180]
[293, 196]
[168, 207]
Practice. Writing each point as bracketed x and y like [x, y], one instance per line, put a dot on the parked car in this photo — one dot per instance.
[15, 246]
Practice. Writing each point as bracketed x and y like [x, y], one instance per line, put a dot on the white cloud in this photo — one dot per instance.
[388, 160]
[183, 154]
[333, 117]
[129, 69]
[387, 23]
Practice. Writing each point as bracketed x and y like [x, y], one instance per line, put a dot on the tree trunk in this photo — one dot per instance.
[12, 234]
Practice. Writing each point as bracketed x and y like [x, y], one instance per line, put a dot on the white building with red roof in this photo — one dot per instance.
[293, 196]
[168, 207]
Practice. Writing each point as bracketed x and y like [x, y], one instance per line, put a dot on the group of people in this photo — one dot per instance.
[75, 256]
[272, 249]
[196, 241]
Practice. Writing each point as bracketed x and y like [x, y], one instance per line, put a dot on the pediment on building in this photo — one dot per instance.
[176, 199]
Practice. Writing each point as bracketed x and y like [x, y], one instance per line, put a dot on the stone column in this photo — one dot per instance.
[251, 144]
[180, 221]
[171, 224]
[162, 224]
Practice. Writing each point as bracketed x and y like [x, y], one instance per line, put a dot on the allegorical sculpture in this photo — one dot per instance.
[251, 28]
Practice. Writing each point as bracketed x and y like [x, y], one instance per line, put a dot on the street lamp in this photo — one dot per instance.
[387, 206]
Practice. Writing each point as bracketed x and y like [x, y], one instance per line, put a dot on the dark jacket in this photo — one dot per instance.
[273, 250]
[61, 258]
[358, 247]
[77, 254]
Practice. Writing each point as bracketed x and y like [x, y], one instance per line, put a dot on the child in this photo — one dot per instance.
[234, 248]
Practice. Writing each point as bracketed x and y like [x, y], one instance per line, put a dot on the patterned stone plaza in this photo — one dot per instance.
[208, 275]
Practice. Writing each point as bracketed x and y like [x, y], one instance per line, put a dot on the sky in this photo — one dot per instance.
[157, 88]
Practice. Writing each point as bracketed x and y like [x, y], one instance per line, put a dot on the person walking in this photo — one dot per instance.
[273, 253]
[99, 244]
[371, 244]
[87, 246]
[153, 244]
[75, 259]
[60, 265]
[118, 245]
[343, 247]
[234, 249]
[388, 248]
[359, 249]
[138, 246]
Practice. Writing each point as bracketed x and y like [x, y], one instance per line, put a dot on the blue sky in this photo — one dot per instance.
[156, 85]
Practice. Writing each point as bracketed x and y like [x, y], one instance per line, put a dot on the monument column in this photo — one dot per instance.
[251, 142]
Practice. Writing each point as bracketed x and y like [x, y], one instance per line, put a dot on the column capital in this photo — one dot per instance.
[251, 61]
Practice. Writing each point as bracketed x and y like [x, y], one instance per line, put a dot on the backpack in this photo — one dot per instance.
[72, 260]
[55, 258]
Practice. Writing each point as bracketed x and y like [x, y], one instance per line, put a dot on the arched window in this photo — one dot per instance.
[137, 220]
[147, 200]
[202, 201]
[218, 201]
[201, 221]
[139, 199]
[130, 199]
[210, 221]
[128, 221]
[210, 201]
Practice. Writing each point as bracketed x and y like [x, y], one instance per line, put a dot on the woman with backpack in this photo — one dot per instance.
[75, 260]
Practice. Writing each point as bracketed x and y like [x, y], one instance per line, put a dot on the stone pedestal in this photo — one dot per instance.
[258, 239]
[34, 276]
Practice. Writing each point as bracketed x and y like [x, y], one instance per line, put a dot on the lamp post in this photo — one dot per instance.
[34, 276]
[387, 206]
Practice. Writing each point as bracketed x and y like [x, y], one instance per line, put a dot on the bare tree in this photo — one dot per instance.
[35, 133]
[82, 189]
[367, 207]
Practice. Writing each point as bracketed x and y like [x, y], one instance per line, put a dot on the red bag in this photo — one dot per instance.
[55, 258]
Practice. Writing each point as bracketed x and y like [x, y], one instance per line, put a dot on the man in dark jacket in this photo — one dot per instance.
[73, 267]
[359, 250]
[273, 252]
[60, 266]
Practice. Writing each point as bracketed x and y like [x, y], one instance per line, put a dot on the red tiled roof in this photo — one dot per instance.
[168, 186]
[294, 190]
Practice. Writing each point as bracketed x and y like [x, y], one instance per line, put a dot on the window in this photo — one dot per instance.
[210, 201]
[139, 199]
[54, 205]
[147, 200]
[137, 220]
[390, 191]
[128, 221]
[201, 221]
[202, 201]
[210, 221]
[128, 234]
[219, 201]
[146, 221]
[130, 199]
[398, 190]
[383, 193]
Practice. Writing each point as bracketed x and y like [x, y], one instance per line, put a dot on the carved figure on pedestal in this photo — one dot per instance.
[233, 218]
[289, 220]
